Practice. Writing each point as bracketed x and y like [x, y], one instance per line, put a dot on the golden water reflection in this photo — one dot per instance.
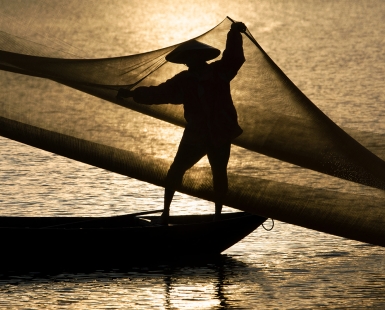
[281, 276]
[164, 287]
[287, 267]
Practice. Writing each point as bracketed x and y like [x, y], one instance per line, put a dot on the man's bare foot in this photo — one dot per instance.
[217, 217]
[164, 218]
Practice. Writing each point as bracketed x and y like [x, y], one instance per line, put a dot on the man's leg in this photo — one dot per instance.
[168, 195]
[219, 158]
[186, 157]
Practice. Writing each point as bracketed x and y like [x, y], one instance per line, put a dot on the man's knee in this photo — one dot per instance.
[175, 176]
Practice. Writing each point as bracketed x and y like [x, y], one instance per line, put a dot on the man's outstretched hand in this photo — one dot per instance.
[239, 26]
[124, 93]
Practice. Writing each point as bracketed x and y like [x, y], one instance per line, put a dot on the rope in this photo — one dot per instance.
[271, 226]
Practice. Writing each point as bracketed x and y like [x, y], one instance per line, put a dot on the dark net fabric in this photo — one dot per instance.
[277, 119]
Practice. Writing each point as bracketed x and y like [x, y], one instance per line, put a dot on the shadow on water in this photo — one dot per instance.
[212, 279]
[222, 265]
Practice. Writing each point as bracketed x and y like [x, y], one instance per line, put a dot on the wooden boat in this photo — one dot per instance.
[60, 243]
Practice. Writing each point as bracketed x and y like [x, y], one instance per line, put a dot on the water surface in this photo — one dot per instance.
[332, 50]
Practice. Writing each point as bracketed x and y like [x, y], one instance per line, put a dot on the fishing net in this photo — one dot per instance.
[277, 119]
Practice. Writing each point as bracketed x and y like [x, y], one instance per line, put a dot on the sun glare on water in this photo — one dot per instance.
[167, 23]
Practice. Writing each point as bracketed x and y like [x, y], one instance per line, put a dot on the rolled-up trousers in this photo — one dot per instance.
[189, 154]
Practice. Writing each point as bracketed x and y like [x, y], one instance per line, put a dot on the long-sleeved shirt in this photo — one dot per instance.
[208, 107]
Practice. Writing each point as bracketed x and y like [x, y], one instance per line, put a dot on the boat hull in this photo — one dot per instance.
[117, 242]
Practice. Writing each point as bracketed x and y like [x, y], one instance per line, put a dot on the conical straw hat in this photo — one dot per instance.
[192, 49]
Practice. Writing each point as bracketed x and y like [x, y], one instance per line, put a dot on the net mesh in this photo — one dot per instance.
[277, 119]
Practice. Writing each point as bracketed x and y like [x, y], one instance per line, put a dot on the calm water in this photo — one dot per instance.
[334, 51]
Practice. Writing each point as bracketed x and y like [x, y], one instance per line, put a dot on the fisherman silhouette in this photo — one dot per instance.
[204, 90]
